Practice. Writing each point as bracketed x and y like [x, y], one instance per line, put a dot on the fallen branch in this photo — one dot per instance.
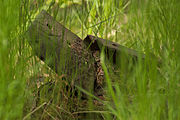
[66, 53]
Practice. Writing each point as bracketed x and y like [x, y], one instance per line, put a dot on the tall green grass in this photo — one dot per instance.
[14, 56]
[12, 75]
[150, 92]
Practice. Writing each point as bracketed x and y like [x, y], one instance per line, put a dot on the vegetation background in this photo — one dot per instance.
[151, 26]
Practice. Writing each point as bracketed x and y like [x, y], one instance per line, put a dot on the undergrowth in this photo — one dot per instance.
[30, 90]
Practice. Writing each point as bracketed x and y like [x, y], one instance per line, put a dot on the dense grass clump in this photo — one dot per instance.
[151, 91]
[12, 77]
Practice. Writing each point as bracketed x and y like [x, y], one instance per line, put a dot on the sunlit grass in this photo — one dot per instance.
[153, 90]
